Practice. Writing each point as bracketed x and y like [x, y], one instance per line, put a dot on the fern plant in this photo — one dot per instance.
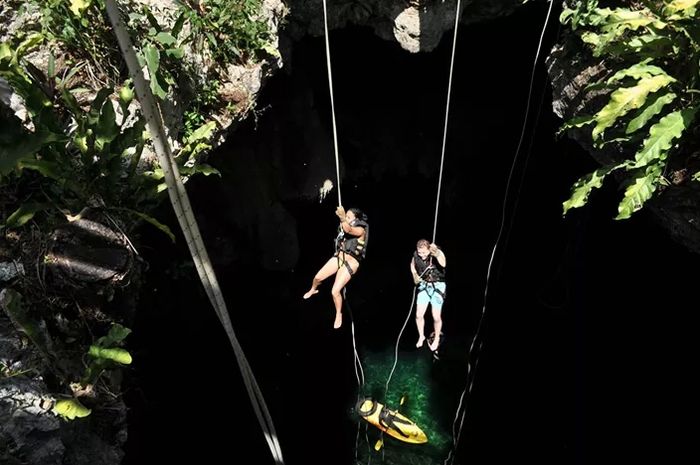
[652, 50]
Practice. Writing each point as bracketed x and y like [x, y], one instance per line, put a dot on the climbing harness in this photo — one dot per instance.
[460, 414]
[183, 210]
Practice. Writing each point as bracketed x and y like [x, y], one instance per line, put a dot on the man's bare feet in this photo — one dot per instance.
[419, 344]
[434, 345]
[338, 321]
[310, 293]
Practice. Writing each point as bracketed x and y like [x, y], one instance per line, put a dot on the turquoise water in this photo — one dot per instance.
[412, 381]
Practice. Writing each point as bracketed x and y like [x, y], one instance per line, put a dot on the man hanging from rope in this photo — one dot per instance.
[428, 268]
[350, 248]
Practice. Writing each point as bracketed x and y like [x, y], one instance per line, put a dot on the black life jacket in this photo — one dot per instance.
[353, 245]
[435, 272]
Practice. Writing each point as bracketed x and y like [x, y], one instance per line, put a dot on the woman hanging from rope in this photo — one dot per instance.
[428, 268]
[350, 248]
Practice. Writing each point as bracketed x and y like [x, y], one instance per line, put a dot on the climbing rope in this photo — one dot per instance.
[359, 373]
[447, 115]
[330, 89]
[460, 414]
[183, 210]
[437, 201]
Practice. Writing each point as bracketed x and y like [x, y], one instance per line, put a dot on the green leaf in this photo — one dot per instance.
[696, 176]
[585, 185]
[24, 213]
[649, 112]
[623, 19]
[177, 27]
[51, 68]
[115, 354]
[49, 169]
[206, 170]
[576, 122]
[126, 95]
[29, 43]
[16, 151]
[70, 409]
[662, 135]
[165, 38]
[613, 24]
[638, 71]
[93, 115]
[117, 333]
[626, 99]
[175, 52]
[154, 222]
[152, 56]
[687, 7]
[639, 189]
[202, 132]
[107, 128]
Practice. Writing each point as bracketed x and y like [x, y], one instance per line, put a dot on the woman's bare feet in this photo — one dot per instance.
[338, 321]
[310, 293]
[434, 345]
[419, 344]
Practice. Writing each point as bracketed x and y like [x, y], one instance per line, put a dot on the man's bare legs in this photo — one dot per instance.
[437, 322]
[420, 323]
[327, 270]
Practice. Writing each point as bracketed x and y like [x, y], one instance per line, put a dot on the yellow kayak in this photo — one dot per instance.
[391, 422]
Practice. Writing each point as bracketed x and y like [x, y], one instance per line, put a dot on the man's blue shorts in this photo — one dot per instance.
[432, 293]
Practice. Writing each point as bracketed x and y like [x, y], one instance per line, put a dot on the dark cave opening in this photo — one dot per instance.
[581, 354]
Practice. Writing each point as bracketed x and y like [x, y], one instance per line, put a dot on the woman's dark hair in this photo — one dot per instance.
[359, 214]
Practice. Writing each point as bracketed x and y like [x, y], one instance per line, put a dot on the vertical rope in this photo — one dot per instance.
[330, 88]
[183, 210]
[447, 115]
[460, 415]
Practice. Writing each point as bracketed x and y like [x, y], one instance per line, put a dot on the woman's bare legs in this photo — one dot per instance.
[341, 279]
[326, 270]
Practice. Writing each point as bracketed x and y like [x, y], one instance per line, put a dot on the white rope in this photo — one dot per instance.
[461, 409]
[183, 211]
[330, 88]
[396, 347]
[447, 115]
[358, 364]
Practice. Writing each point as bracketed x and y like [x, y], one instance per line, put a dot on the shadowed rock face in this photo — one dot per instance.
[417, 25]
[570, 70]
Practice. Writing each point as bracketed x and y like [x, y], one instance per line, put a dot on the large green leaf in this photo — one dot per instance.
[639, 189]
[117, 333]
[585, 185]
[107, 128]
[154, 222]
[613, 24]
[662, 135]
[70, 409]
[24, 213]
[17, 145]
[649, 112]
[685, 8]
[638, 71]
[152, 56]
[115, 354]
[93, 115]
[622, 19]
[576, 122]
[627, 98]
